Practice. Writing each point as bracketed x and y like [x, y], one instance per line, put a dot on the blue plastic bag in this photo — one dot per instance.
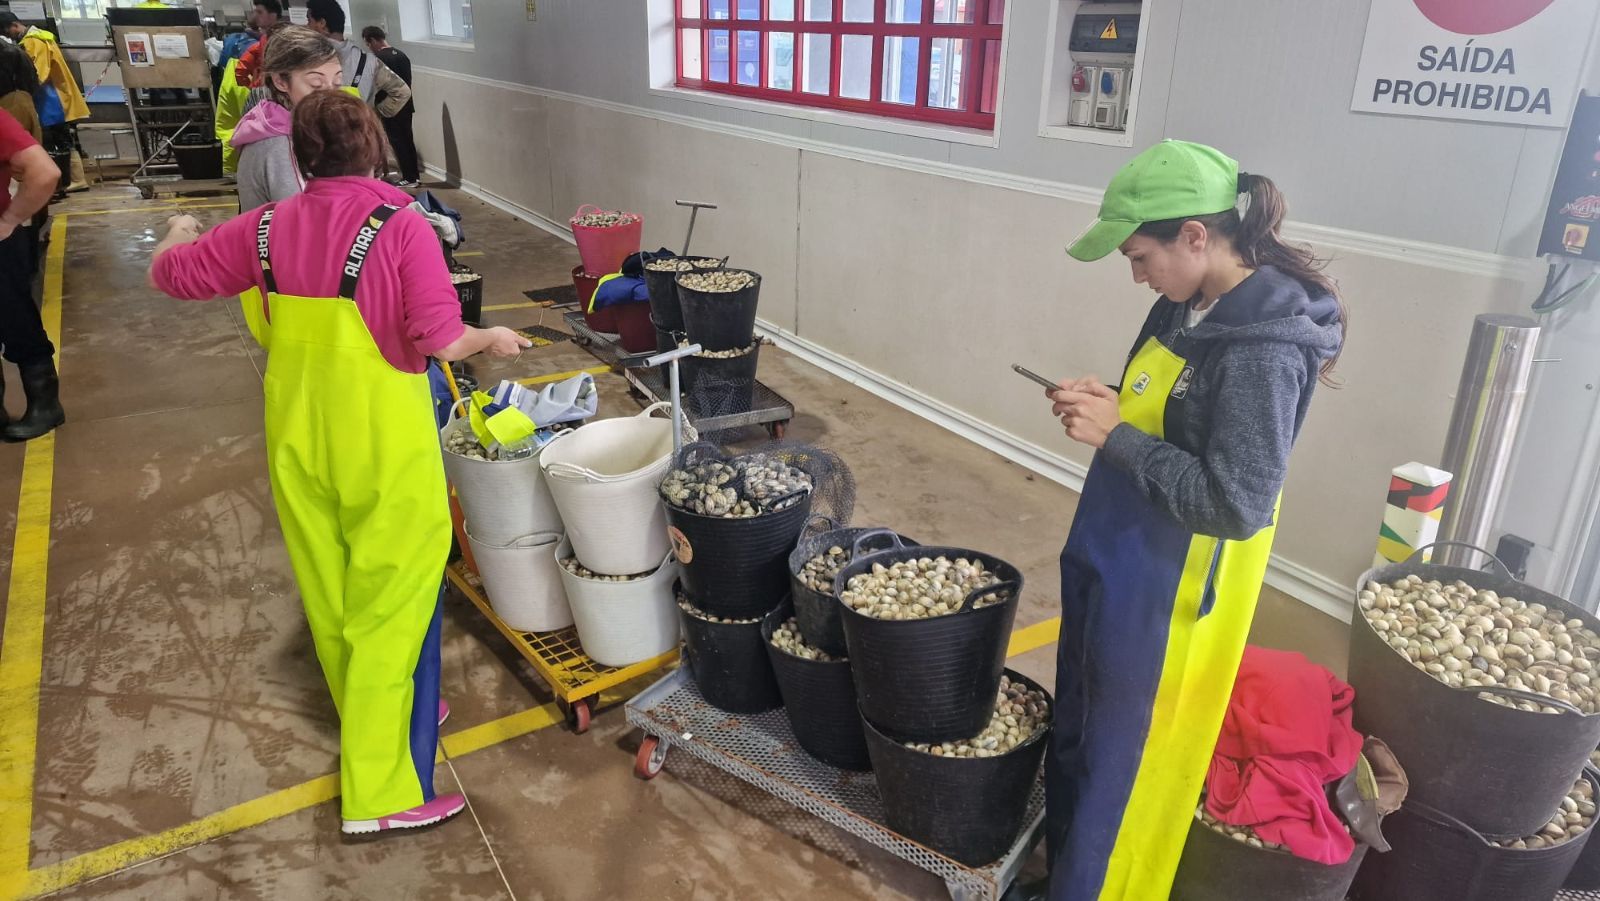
[48, 104]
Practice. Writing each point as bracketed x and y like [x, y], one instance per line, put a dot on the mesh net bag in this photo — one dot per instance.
[705, 478]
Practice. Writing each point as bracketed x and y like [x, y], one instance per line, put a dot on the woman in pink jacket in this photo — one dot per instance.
[354, 298]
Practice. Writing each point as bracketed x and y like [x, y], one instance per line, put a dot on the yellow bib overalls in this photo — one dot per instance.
[360, 489]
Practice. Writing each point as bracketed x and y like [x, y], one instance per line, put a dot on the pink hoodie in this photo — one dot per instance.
[405, 295]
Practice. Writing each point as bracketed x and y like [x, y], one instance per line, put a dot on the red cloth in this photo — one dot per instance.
[13, 140]
[1286, 735]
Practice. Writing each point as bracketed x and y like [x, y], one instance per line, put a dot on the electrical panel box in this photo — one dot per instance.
[1092, 69]
[1104, 33]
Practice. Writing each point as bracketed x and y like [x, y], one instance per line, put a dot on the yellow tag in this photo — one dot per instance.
[1110, 34]
[511, 426]
[480, 424]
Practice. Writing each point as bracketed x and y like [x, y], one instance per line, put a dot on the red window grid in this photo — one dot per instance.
[981, 62]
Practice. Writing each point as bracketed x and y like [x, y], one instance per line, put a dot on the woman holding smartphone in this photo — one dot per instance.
[1169, 546]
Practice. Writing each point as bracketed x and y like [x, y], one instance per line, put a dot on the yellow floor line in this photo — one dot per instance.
[22, 642]
[125, 854]
[469, 253]
[184, 208]
[497, 307]
[460, 744]
[1030, 638]
[562, 376]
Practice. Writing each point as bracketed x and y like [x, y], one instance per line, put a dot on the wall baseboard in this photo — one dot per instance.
[1325, 594]
[1325, 238]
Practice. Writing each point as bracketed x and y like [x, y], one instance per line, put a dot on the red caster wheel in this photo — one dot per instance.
[651, 758]
[579, 714]
[777, 430]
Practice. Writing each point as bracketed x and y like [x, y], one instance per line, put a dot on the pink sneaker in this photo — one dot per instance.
[436, 811]
[444, 711]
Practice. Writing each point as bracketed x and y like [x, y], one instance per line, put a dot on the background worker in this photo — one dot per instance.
[23, 340]
[269, 18]
[18, 82]
[298, 63]
[233, 47]
[232, 99]
[358, 297]
[1174, 526]
[61, 104]
[398, 126]
[374, 82]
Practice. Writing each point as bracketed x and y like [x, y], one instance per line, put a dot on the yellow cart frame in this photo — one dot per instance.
[576, 680]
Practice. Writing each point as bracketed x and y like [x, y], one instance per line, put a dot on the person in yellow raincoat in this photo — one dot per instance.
[232, 98]
[355, 297]
[1167, 551]
[51, 65]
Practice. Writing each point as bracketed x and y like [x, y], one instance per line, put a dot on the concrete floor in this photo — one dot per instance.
[184, 731]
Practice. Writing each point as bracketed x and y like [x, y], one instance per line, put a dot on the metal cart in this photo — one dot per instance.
[769, 409]
[166, 75]
[761, 750]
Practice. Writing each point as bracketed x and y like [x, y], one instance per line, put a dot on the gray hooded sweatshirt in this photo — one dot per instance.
[1256, 358]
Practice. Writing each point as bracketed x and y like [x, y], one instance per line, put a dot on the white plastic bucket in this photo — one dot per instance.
[622, 623]
[523, 581]
[500, 500]
[604, 478]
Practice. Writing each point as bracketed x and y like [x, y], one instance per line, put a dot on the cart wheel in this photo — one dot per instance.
[579, 714]
[651, 758]
[776, 429]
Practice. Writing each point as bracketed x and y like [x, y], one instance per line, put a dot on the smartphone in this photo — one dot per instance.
[1030, 374]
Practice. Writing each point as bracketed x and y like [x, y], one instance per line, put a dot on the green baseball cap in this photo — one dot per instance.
[1172, 180]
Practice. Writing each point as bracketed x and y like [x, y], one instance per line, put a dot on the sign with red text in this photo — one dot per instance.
[1512, 61]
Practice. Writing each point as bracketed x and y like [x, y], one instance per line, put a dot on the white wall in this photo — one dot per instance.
[934, 265]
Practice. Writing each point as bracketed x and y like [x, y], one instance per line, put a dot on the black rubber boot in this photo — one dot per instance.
[44, 403]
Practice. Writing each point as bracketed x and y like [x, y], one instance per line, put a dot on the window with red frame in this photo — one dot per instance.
[924, 60]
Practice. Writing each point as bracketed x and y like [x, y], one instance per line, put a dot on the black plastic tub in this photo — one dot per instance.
[820, 699]
[1436, 857]
[1585, 875]
[931, 680]
[737, 567]
[724, 320]
[199, 161]
[470, 294]
[820, 619]
[729, 664]
[968, 809]
[721, 386]
[1215, 867]
[662, 288]
[1497, 769]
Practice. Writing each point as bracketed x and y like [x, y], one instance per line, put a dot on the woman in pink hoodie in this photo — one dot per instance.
[299, 62]
[356, 298]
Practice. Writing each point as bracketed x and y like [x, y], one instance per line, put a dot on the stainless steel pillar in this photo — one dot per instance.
[1483, 430]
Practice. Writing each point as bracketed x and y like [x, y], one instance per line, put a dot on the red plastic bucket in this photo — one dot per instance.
[634, 325]
[602, 320]
[604, 249]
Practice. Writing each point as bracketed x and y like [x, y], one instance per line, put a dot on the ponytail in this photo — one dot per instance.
[1253, 230]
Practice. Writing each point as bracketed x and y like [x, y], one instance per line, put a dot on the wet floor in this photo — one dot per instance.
[184, 731]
